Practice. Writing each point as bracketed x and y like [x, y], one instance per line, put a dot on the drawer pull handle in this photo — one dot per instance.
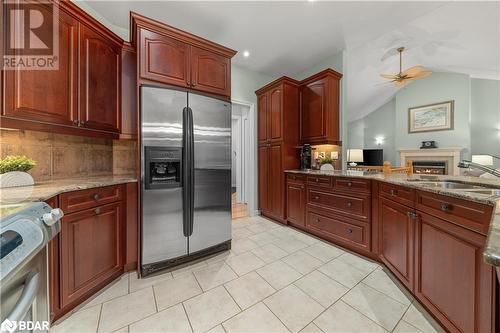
[349, 184]
[349, 204]
[446, 207]
[98, 210]
[393, 192]
[96, 196]
[349, 231]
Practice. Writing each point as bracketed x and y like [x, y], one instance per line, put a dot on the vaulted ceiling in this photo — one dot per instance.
[289, 37]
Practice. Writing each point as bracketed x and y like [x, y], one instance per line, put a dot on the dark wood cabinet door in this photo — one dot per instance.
[163, 59]
[263, 179]
[396, 239]
[262, 117]
[90, 252]
[275, 116]
[47, 95]
[313, 111]
[296, 203]
[210, 72]
[100, 86]
[129, 114]
[451, 279]
[276, 183]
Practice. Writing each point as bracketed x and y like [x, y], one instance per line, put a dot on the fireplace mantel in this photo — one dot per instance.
[449, 155]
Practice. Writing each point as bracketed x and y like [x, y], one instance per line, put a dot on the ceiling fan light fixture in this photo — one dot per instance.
[412, 73]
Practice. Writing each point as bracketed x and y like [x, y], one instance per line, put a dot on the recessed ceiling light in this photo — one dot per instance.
[246, 54]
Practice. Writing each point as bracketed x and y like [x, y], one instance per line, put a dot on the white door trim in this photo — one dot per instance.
[249, 157]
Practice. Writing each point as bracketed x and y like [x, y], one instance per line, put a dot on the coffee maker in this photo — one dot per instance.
[305, 157]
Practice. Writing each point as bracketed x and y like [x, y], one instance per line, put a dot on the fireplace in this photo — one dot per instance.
[430, 167]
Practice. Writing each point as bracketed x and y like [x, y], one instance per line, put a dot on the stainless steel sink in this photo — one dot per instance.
[458, 185]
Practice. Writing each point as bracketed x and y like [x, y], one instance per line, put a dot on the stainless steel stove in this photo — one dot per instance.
[25, 231]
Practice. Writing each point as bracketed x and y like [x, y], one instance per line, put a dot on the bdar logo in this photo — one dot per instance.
[8, 326]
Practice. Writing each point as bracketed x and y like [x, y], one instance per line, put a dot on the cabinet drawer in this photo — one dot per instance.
[405, 196]
[472, 215]
[355, 207]
[293, 177]
[79, 200]
[352, 184]
[344, 231]
[324, 181]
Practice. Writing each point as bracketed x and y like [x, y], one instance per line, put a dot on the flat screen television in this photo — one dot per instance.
[373, 157]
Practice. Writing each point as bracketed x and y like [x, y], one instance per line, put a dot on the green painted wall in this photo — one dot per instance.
[244, 83]
[485, 117]
[437, 88]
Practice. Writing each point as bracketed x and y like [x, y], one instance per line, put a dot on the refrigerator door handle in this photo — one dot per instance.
[186, 173]
[191, 170]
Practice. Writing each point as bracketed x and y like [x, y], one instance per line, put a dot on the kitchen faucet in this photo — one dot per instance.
[468, 164]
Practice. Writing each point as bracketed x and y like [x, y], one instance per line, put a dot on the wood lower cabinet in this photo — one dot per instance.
[296, 202]
[97, 243]
[91, 250]
[396, 239]
[451, 278]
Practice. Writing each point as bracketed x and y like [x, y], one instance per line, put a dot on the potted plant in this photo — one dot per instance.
[326, 163]
[13, 171]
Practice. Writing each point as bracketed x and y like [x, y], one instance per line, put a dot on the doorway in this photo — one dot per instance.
[240, 162]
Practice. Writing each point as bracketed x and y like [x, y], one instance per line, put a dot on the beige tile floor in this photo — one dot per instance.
[275, 279]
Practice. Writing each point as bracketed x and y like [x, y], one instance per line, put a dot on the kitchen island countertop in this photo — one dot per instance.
[492, 247]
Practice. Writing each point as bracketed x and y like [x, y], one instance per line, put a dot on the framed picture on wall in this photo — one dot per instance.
[432, 117]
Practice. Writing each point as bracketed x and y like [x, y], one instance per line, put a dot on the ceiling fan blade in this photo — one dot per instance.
[400, 83]
[412, 71]
[388, 76]
[420, 75]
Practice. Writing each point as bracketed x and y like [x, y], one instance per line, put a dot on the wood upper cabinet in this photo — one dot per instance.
[262, 107]
[275, 126]
[175, 57]
[47, 95]
[100, 86]
[90, 251]
[320, 109]
[210, 72]
[129, 112]
[396, 239]
[296, 202]
[163, 59]
[451, 278]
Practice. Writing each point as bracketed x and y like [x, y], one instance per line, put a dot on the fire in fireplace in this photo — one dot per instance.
[430, 167]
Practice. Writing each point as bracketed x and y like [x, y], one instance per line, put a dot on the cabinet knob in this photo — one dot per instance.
[316, 198]
[349, 231]
[97, 210]
[96, 196]
[349, 184]
[316, 180]
[446, 207]
[76, 122]
[393, 192]
[411, 215]
[317, 220]
[349, 204]
[82, 123]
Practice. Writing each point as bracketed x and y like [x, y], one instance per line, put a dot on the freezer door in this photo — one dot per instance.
[162, 214]
[212, 172]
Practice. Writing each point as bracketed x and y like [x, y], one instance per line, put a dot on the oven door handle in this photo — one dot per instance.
[27, 298]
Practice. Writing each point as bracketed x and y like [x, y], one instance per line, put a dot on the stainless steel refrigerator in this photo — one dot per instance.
[185, 175]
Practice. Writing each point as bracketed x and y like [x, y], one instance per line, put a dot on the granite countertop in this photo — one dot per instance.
[42, 191]
[423, 182]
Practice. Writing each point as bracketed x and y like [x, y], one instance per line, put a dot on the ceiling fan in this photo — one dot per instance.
[412, 73]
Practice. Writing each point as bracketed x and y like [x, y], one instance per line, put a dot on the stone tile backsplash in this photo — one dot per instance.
[65, 156]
